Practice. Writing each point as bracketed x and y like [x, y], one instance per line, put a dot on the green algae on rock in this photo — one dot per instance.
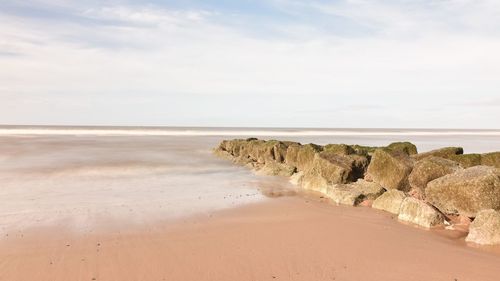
[352, 174]
[428, 169]
[390, 169]
[466, 192]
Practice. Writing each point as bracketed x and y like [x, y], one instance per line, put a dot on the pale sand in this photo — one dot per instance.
[291, 238]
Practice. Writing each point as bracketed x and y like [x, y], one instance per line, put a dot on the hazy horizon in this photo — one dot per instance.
[239, 127]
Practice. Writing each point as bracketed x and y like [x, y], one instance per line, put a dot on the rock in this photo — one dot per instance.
[390, 201]
[354, 193]
[405, 147]
[428, 169]
[445, 152]
[390, 169]
[276, 169]
[296, 178]
[491, 159]
[342, 149]
[233, 147]
[329, 168]
[485, 229]
[466, 192]
[301, 156]
[420, 213]
[259, 151]
[467, 160]
[364, 150]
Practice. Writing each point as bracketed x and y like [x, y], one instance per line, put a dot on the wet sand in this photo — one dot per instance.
[292, 238]
[92, 207]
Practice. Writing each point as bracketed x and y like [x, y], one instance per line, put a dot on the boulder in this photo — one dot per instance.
[276, 169]
[467, 160]
[233, 147]
[491, 159]
[445, 152]
[420, 213]
[390, 201]
[354, 193]
[405, 147]
[342, 149]
[390, 169]
[301, 156]
[296, 178]
[485, 229]
[428, 169]
[259, 151]
[328, 168]
[364, 150]
[466, 192]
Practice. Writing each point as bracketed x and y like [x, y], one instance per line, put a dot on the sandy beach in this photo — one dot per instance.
[87, 207]
[290, 238]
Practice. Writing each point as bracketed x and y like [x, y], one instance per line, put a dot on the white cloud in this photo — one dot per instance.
[176, 67]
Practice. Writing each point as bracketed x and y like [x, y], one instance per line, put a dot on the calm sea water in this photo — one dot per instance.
[82, 175]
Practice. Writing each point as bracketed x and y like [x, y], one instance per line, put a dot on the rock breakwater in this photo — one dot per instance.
[427, 189]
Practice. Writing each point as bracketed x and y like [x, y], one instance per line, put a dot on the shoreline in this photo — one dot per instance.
[288, 238]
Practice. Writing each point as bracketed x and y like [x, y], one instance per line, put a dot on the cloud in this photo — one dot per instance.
[377, 61]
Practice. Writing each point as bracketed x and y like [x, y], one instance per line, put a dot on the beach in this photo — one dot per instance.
[128, 205]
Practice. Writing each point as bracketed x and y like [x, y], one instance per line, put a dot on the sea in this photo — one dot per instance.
[83, 175]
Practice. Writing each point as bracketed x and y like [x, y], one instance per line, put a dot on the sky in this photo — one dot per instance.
[274, 63]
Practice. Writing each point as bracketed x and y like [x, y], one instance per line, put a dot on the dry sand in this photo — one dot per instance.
[292, 238]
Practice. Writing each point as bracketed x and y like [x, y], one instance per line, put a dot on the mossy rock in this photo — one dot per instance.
[491, 159]
[428, 169]
[390, 169]
[233, 147]
[342, 149]
[364, 150]
[445, 152]
[354, 193]
[406, 147]
[276, 169]
[466, 192]
[329, 168]
[467, 160]
[301, 156]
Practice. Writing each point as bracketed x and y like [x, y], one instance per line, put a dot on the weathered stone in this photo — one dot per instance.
[354, 193]
[233, 147]
[390, 201]
[467, 160]
[296, 178]
[466, 192]
[491, 159]
[276, 169]
[330, 168]
[445, 152]
[301, 156]
[259, 151]
[406, 147]
[390, 169]
[428, 169]
[342, 149]
[485, 229]
[364, 150]
[420, 213]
